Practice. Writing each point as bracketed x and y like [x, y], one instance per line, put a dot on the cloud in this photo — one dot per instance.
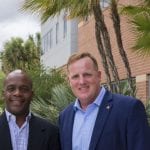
[14, 23]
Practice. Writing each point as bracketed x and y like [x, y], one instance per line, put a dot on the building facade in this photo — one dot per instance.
[59, 40]
[79, 40]
[140, 67]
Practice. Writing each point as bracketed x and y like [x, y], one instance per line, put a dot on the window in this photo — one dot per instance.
[65, 25]
[104, 3]
[47, 42]
[50, 39]
[57, 32]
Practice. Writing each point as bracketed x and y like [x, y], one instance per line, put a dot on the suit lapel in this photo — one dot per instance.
[5, 140]
[101, 119]
[68, 126]
[36, 131]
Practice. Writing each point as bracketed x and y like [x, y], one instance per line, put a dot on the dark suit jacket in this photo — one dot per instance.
[42, 135]
[121, 124]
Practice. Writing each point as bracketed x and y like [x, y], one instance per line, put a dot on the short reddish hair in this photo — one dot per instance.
[77, 56]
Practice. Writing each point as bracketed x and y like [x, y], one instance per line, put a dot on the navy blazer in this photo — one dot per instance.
[121, 124]
[42, 135]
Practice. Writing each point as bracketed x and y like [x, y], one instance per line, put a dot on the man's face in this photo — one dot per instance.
[17, 94]
[84, 80]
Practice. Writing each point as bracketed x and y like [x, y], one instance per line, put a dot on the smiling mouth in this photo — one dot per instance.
[84, 89]
[17, 102]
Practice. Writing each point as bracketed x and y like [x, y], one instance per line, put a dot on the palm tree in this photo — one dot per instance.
[20, 54]
[11, 54]
[81, 9]
[51, 92]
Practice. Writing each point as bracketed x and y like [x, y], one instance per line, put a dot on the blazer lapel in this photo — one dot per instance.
[101, 119]
[5, 140]
[36, 131]
[67, 130]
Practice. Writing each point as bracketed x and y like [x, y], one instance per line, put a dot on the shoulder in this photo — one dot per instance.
[68, 109]
[43, 123]
[125, 100]
[127, 104]
[122, 102]
[67, 113]
[3, 117]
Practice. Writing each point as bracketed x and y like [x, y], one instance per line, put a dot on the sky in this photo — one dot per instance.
[16, 23]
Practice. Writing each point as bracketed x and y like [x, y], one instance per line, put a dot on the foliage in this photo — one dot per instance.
[140, 19]
[52, 92]
[44, 80]
[142, 25]
[21, 54]
[76, 8]
[50, 108]
[1, 85]
[62, 96]
[126, 90]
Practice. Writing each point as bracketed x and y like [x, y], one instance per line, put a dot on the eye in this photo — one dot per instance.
[10, 89]
[87, 75]
[74, 77]
[25, 89]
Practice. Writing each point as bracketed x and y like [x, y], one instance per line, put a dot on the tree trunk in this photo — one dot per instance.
[103, 56]
[99, 19]
[116, 23]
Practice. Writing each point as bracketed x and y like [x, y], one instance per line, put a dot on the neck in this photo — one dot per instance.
[20, 119]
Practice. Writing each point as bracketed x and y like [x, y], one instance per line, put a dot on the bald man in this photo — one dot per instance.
[19, 128]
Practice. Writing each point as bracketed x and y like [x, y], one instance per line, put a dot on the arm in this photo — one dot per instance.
[138, 131]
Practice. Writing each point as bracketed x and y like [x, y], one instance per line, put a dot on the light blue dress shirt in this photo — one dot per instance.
[84, 122]
[19, 136]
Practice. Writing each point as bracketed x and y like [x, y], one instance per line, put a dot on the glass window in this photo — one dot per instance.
[65, 25]
[57, 32]
[104, 3]
[51, 38]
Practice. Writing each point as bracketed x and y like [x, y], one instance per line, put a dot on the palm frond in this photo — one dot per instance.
[134, 10]
[142, 25]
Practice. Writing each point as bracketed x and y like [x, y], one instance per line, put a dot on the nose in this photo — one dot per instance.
[17, 92]
[82, 80]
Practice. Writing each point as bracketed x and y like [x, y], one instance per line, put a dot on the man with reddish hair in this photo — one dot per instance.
[98, 119]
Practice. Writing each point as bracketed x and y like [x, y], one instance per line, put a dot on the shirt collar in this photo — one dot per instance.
[97, 101]
[10, 116]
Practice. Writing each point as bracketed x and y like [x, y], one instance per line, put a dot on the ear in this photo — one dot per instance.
[99, 74]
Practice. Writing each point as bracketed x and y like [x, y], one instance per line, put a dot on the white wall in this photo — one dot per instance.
[57, 55]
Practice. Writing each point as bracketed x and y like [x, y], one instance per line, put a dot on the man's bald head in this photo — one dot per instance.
[17, 73]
